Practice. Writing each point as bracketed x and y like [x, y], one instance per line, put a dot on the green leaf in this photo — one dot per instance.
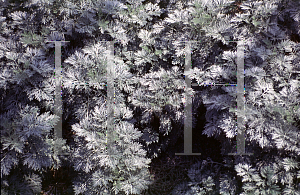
[158, 52]
[31, 39]
[101, 134]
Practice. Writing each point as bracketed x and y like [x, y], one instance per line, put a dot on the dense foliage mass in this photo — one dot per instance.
[149, 96]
